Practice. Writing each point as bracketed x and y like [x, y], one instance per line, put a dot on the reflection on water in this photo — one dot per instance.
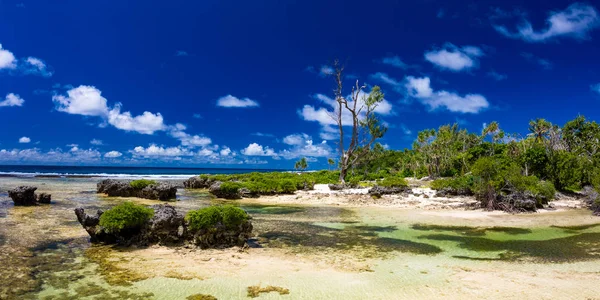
[46, 254]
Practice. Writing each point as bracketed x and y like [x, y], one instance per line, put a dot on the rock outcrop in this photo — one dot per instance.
[451, 192]
[115, 188]
[198, 182]
[231, 194]
[26, 196]
[378, 191]
[592, 199]
[167, 227]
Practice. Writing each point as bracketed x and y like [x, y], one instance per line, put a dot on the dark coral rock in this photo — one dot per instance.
[198, 182]
[44, 198]
[216, 190]
[378, 191]
[25, 196]
[116, 188]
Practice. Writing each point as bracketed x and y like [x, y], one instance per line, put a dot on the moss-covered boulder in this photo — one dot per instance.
[131, 224]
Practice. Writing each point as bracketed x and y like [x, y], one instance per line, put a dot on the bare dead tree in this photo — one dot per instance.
[366, 127]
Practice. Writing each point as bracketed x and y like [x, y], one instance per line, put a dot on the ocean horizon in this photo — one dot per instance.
[119, 171]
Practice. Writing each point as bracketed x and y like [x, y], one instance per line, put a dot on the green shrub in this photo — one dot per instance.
[462, 183]
[287, 186]
[208, 217]
[141, 183]
[125, 215]
[393, 182]
[230, 187]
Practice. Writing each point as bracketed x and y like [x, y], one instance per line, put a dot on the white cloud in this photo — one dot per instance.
[576, 21]
[394, 61]
[113, 154]
[225, 151]
[296, 139]
[544, 63]
[454, 58]
[383, 77]
[88, 101]
[231, 101]
[7, 59]
[303, 146]
[255, 149]
[262, 134]
[326, 70]
[595, 87]
[420, 89]
[146, 123]
[497, 76]
[24, 140]
[178, 131]
[405, 129]
[181, 53]
[12, 100]
[51, 156]
[83, 100]
[154, 151]
[36, 66]
[96, 142]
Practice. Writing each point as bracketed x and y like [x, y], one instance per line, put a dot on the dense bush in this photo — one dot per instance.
[465, 184]
[141, 183]
[208, 217]
[393, 182]
[125, 215]
[230, 187]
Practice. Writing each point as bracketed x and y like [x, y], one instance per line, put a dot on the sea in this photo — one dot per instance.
[117, 171]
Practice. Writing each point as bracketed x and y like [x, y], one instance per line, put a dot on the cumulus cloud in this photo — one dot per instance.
[576, 21]
[420, 89]
[83, 100]
[178, 131]
[255, 149]
[146, 123]
[326, 70]
[113, 154]
[12, 100]
[24, 140]
[7, 59]
[88, 101]
[231, 101]
[455, 59]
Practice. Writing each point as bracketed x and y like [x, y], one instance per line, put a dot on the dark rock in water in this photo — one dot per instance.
[216, 190]
[44, 198]
[378, 191]
[160, 191]
[25, 196]
[116, 188]
[167, 227]
[337, 187]
[198, 182]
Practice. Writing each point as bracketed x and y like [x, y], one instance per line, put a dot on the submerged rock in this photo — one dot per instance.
[116, 188]
[166, 227]
[25, 196]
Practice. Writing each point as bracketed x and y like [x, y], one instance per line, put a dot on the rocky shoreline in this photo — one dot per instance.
[26, 196]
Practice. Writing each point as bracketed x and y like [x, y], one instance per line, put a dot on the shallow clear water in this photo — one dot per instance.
[315, 252]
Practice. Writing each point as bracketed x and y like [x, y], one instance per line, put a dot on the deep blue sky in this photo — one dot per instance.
[186, 63]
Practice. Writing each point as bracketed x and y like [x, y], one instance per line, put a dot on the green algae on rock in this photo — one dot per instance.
[201, 297]
[255, 290]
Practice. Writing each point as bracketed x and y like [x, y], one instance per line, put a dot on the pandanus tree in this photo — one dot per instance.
[301, 165]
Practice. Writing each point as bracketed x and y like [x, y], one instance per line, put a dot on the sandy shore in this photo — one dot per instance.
[420, 198]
